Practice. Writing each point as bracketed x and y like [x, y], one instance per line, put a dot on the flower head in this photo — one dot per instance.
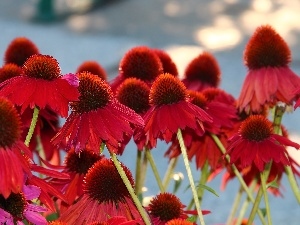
[256, 144]
[42, 85]
[93, 67]
[12, 150]
[18, 207]
[202, 72]
[139, 62]
[269, 80]
[134, 93]
[100, 201]
[171, 110]
[97, 118]
[19, 50]
[9, 70]
[167, 62]
[165, 207]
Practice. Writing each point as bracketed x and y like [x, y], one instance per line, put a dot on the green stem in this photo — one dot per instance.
[293, 182]
[144, 169]
[190, 176]
[169, 172]
[154, 169]
[255, 207]
[138, 184]
[245, 204]
[265, 193]
[203, 180]
[237, 174]
[235, 205]
[32, 126]
[130, 189]
[278, 114]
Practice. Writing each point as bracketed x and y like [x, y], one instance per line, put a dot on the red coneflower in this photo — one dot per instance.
[42, 85]
[167, 62]
[269, 79]
[18, 207]
[139, 62]
[12, 150]
[9, 70]
[202, 72]
[179, 222]
[256, 144]
[76, 165]
[204, 147]
[97, 118]
[167, 206]
[93, 67]
[19, 50]
[170, 110]
[100, 201]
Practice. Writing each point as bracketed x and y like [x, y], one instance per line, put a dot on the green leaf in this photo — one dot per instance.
[204, 187]
[192, 219]
[263, 211]
[273, 183]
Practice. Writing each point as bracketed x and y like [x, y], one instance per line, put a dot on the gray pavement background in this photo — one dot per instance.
[184, 28]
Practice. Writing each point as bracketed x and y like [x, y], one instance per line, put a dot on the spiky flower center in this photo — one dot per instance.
[82, 161]
[10, 124]
[9, 70]
[142, 63]
[167, 89]
[198, 99]
[166, 206]
[15, 204]
[266, 48]
[19, 50]
[179, 222]
[204, 68]
[94, 68]
[42, 67]
[168, 65]
[256, 128]
[94, 92]
[104, 184]
[134, 93]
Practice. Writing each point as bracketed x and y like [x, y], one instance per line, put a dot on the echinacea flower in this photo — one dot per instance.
[139, 62]
[179, 222]
[76, 165]
[18, 207]
[13, 151]
[19, 50]
[134, 93]
[202, 72]
[204, 148]
[167, 206]
[93, 67]
[9, 70]
[97, 118]
[105, 196]
[42, 85]
[167, 63]
[171, 110]
[256, 144]
[269, 79]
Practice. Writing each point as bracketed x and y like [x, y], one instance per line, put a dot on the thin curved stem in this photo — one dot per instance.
[169, 172]
[235, 205]
[266, 198]
[130, 188]
[190, 176]
[293, 182]
[32, 126]
[154, 169]
[138, 183]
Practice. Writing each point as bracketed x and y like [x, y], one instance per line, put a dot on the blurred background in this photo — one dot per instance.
[73, 31]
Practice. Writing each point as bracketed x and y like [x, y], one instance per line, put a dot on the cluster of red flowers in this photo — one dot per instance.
[145, 103]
